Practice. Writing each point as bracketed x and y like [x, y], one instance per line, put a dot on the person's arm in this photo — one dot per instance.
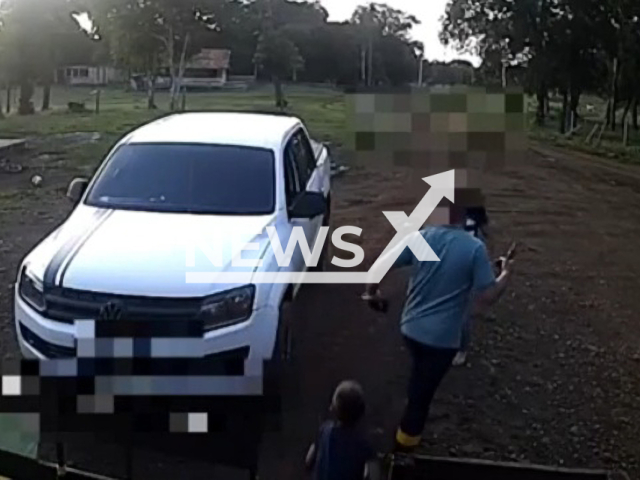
[310, 459]
[492, 295]
[488, 289]
[372, 290]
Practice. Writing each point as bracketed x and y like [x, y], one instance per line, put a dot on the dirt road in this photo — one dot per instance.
[555, 379]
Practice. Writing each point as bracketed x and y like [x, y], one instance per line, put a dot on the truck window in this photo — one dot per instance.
[292, 184]
[187, 178]
[308, 151]
[303, 155]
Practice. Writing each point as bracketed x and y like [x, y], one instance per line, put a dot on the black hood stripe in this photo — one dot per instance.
[67, 249]
[77, 250]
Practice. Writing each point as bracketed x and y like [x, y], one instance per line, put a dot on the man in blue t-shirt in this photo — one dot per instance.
[438, 303]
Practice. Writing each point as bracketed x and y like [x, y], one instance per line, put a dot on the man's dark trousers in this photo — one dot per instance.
[429, 365]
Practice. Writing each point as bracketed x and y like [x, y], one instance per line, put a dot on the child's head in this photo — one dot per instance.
[348, 403]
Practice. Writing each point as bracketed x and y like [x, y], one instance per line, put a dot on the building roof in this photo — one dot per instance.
[219, 128]
[210, 58]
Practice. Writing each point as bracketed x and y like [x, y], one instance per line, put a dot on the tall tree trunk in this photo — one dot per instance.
[547, 102]
[8, 98]
[176, 86]
[540, 113]
[26, 94]
[46, 97]
[370, 63]
[634, 117]
[614, 93]
[574, 104]
[171, 45]
[565, 112]
[627, 109]
[281, 103]
[151, 92]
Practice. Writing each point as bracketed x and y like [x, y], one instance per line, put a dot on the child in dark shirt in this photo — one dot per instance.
[341, 451]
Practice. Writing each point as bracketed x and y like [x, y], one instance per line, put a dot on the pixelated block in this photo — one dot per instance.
[431, 131]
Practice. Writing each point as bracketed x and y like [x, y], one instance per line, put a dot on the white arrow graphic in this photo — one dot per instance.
[408, 228]
[408, 235]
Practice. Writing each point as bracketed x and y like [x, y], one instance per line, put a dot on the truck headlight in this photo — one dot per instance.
[30, 291]
[228, 308]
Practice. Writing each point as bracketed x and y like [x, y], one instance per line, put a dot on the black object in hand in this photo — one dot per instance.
[379, 304]
[511, 254]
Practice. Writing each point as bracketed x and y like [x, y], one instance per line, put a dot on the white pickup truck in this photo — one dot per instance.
[183, 176]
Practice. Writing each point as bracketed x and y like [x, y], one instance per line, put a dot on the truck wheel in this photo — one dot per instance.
[285, 332]
[283, 349]
[277, 368]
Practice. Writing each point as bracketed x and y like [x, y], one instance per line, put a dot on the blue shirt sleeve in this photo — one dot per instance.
[405, 259]
[483, 273]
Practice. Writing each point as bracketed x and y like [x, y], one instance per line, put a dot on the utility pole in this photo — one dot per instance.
[504, 74]
[421, 70]
[505, 61]
[369, 26]
[370, 72]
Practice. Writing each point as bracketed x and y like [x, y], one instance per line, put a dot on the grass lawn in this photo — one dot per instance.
[52, 133]
[323, 110]
[120, 111]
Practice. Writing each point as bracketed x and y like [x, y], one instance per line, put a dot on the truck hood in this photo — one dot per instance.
[144, 253]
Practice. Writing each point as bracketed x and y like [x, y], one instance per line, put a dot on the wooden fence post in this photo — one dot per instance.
[599, 140]
[592, 133]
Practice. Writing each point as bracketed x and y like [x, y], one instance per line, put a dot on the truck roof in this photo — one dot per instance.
[218, 128]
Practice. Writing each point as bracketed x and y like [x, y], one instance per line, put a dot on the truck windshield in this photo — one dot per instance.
[187, 178]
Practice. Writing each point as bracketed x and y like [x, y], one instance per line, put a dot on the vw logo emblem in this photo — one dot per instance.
[111, 311]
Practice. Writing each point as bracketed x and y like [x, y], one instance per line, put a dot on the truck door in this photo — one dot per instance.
[310, 177]
[293, 188]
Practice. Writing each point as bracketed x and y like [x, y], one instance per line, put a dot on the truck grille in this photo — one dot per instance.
[66, 306]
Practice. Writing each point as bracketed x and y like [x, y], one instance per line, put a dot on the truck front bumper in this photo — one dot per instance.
[241, 349]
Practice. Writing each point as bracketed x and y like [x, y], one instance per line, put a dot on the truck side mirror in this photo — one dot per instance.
[76, 189]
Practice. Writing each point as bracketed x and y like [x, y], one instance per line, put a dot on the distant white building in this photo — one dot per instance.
[89, 75]
[207, 69]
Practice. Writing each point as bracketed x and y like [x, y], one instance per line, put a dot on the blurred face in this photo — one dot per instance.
[440, 216]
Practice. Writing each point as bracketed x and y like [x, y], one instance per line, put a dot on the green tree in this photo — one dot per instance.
[387, 54]
[130, 29]
[35, 45]
[331, 51]
[279, 57]
[503, 33]
[152, 36]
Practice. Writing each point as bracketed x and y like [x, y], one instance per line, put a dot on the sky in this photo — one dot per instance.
[429, 12]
